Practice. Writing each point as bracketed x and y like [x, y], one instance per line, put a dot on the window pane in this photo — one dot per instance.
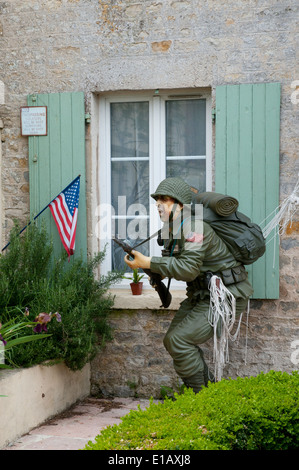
[192, 171]
[129, 130]
[130, 179]
[129, 176]
[185, 127]
[135, 230]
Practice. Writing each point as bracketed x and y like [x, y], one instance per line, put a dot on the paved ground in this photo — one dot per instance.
[73, 428]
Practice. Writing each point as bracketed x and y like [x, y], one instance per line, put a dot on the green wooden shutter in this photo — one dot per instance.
[247, 165]
[56, 159]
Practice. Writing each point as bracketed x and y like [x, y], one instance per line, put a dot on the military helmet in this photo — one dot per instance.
[176, 188]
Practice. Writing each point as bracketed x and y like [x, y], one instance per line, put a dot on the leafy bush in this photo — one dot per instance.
[30, 278]
[256, 413]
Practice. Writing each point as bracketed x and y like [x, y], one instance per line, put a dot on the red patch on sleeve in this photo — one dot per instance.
[194, 237]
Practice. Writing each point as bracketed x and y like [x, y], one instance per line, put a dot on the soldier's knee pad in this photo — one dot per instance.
[167, 342]
[174, 343]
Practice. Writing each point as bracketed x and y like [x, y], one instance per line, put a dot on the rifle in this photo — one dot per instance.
[155, 279]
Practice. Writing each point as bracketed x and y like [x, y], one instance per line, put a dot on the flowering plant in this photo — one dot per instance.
[43, 319]
[10, 331]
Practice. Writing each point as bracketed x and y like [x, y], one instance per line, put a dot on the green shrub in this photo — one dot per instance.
[256, 413]
[23, 264]
[29, 278]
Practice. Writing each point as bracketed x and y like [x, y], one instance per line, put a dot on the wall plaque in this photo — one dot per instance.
[33, 120]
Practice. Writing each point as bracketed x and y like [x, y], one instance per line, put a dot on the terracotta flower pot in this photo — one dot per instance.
[136, 288]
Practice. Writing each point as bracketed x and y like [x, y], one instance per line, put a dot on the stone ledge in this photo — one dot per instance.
[148, 300]
[35, 394]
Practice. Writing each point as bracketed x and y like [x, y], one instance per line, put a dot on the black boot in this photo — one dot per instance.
[208, 375]
[196, 382]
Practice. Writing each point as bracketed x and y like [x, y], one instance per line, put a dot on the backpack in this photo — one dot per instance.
[243, 238]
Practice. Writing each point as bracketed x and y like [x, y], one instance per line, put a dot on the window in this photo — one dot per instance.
[143, 139]
[246, 165]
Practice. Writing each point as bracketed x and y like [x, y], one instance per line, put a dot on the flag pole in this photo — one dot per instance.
[46, 207]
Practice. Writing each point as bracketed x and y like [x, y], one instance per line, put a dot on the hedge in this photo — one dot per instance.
[251, 413]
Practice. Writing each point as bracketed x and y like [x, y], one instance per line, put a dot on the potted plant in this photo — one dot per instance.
[136, 285]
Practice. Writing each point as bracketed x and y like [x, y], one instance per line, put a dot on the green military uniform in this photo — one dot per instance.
[193, 251]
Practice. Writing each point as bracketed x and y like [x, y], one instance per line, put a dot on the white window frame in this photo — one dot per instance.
[157, 157]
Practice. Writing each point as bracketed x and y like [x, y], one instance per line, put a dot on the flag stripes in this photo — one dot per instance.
[64, 209]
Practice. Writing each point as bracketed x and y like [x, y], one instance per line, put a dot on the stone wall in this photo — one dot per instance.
[1, 203]
[136, 363]
[96, 46]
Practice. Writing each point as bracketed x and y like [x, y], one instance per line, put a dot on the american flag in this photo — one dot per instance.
[64, 209]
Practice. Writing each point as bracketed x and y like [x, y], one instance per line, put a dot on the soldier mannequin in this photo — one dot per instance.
[193, 250]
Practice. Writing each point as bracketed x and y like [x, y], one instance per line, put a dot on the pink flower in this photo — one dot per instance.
[43, 319]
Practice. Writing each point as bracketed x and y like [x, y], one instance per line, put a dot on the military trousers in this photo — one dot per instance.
[190, 327]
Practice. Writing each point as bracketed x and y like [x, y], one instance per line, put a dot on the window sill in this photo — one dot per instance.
[148, 300]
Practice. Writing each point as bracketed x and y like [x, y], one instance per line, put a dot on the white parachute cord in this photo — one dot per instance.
[284, 216]
[282, 219]
[222, 315]
[247, 326]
